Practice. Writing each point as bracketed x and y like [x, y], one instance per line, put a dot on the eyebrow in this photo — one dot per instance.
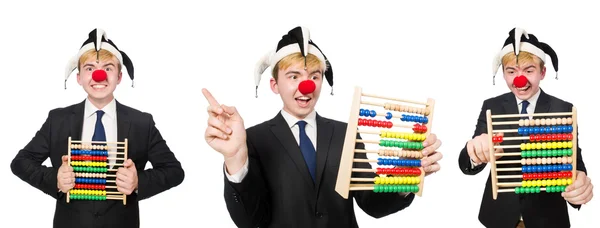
[292, 72]
[105, 65]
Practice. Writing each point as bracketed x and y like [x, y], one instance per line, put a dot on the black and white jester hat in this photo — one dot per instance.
[97, 40]
[296, 40]
[519, 40]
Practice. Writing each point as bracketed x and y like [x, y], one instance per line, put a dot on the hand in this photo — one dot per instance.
[127, 178]
[580, 192]
[65, 179]
[430, 162]
[226, 133]
[478, 149]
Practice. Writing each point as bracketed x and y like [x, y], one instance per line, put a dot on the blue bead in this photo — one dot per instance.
[527, 130]
[536, 130]
[525, 169]
[373, 113]
[409, 118]
[544, 168]
[569, 167]
[548, 130]
[388, 115]
[426, 120]
[361, 112]
[403, 117]
[379, 161]
[520, 131]
[569, 129]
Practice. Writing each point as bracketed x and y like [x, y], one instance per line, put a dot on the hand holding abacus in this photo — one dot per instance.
[226, 133]
[65, 179]
[478, 149]
[581, 191]
[430, 162]
[127, 178]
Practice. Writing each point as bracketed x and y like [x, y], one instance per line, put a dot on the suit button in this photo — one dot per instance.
[319, 215]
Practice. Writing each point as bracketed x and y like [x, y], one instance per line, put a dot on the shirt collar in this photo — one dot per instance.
[311, 118]
[532, 100]
[110, 110]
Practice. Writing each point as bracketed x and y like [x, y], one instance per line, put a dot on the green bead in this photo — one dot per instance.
[569, 152]
[525, 154]
[376, 188]
[415, 188]
[538, 189]
[554, 153]
[518, 190]
[550, 189]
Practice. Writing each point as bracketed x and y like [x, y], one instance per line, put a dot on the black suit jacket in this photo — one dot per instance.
[278, 190]
[538, 210]
[145, 144]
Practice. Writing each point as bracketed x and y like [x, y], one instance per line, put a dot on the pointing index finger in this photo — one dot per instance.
[209, 97]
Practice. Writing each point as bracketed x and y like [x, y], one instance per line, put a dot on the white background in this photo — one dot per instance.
[438, 49]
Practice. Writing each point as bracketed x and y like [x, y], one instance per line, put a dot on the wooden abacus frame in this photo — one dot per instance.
[494, 169]
[110, 195]
[344, 180]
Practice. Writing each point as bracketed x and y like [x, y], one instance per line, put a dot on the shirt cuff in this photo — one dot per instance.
[473, 164]
[239, 175]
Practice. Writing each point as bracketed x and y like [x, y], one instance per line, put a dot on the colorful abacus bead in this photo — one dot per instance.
[398, 162]
[395, 188]
[497, 139]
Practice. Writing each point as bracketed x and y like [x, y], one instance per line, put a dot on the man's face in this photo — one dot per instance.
[294, 102]
[532, 72]
[101, 90]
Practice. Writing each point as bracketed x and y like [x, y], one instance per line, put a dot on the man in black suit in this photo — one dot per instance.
[523, 74]
[282, 172]
[99, 118]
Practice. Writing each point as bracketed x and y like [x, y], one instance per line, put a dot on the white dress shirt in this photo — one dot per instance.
[530, 110]
[109, 120]
[311, 132]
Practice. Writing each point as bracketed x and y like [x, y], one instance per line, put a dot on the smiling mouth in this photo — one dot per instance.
[524, 88]
[98, 86]
[303, 101]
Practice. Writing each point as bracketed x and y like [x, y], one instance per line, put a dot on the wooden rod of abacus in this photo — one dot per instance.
[392, 98]
[114, 197]
[505, 146]
[367, 141]
[342, 185]
[362, 179]
[493, 169]
[362, 170]
[111, 186]
[361, 188]
[112, 170]
[513, 190]
[574, 155]
[509, 176]
[506, 131]
[111, 193]
[68, 162]
[125, 150]
[515, 138]
[111, 181]
[505, 123]
[508, 154]
[508, 169]
[431, 105]
[98, 142]
[378, 132]
[509, 184]
[509, 162]
[383, 105]
[364, 160]
[532, 114]
[366, 151]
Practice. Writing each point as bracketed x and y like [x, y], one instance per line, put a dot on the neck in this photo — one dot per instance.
[100, 103]
[300, 117]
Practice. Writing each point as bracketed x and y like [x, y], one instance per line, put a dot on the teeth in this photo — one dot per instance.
[303, 98]
[99, 86]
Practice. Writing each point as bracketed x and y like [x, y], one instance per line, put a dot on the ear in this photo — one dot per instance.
[78, 79]
[543, 73]
[274, 86]
[120, 77]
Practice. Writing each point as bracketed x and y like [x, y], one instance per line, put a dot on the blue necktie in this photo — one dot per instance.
[524, 109]
[99, 134]
[308, 150]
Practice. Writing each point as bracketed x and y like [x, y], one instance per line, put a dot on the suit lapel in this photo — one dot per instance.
[543, 103]
[281, 130]
[324, 134]
[510, 104]
[122, 123]
[76, 121]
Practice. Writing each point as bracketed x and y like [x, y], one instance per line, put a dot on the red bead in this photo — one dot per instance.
[390, 124]
[569, 136]
[525, 176]
[554, 137]
[554, 175]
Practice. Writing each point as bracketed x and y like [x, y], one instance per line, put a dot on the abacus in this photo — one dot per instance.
[547, 160]
[399, 151]
[95, 179]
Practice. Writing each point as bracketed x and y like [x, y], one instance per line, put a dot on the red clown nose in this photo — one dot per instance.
[520, 81]
[99, 75]
[307, 86]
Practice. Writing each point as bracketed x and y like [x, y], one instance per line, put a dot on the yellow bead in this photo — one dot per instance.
[554, 145]
[377, 180]
[564, 182]
[544, 183]
[569, 144]
[523, 147]
[538, 146]
[418, 180]
[538, 183]
[523, 183]
[543, 145]
[569, 181]
[395, 180]
[553, 182]
[423, 137]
